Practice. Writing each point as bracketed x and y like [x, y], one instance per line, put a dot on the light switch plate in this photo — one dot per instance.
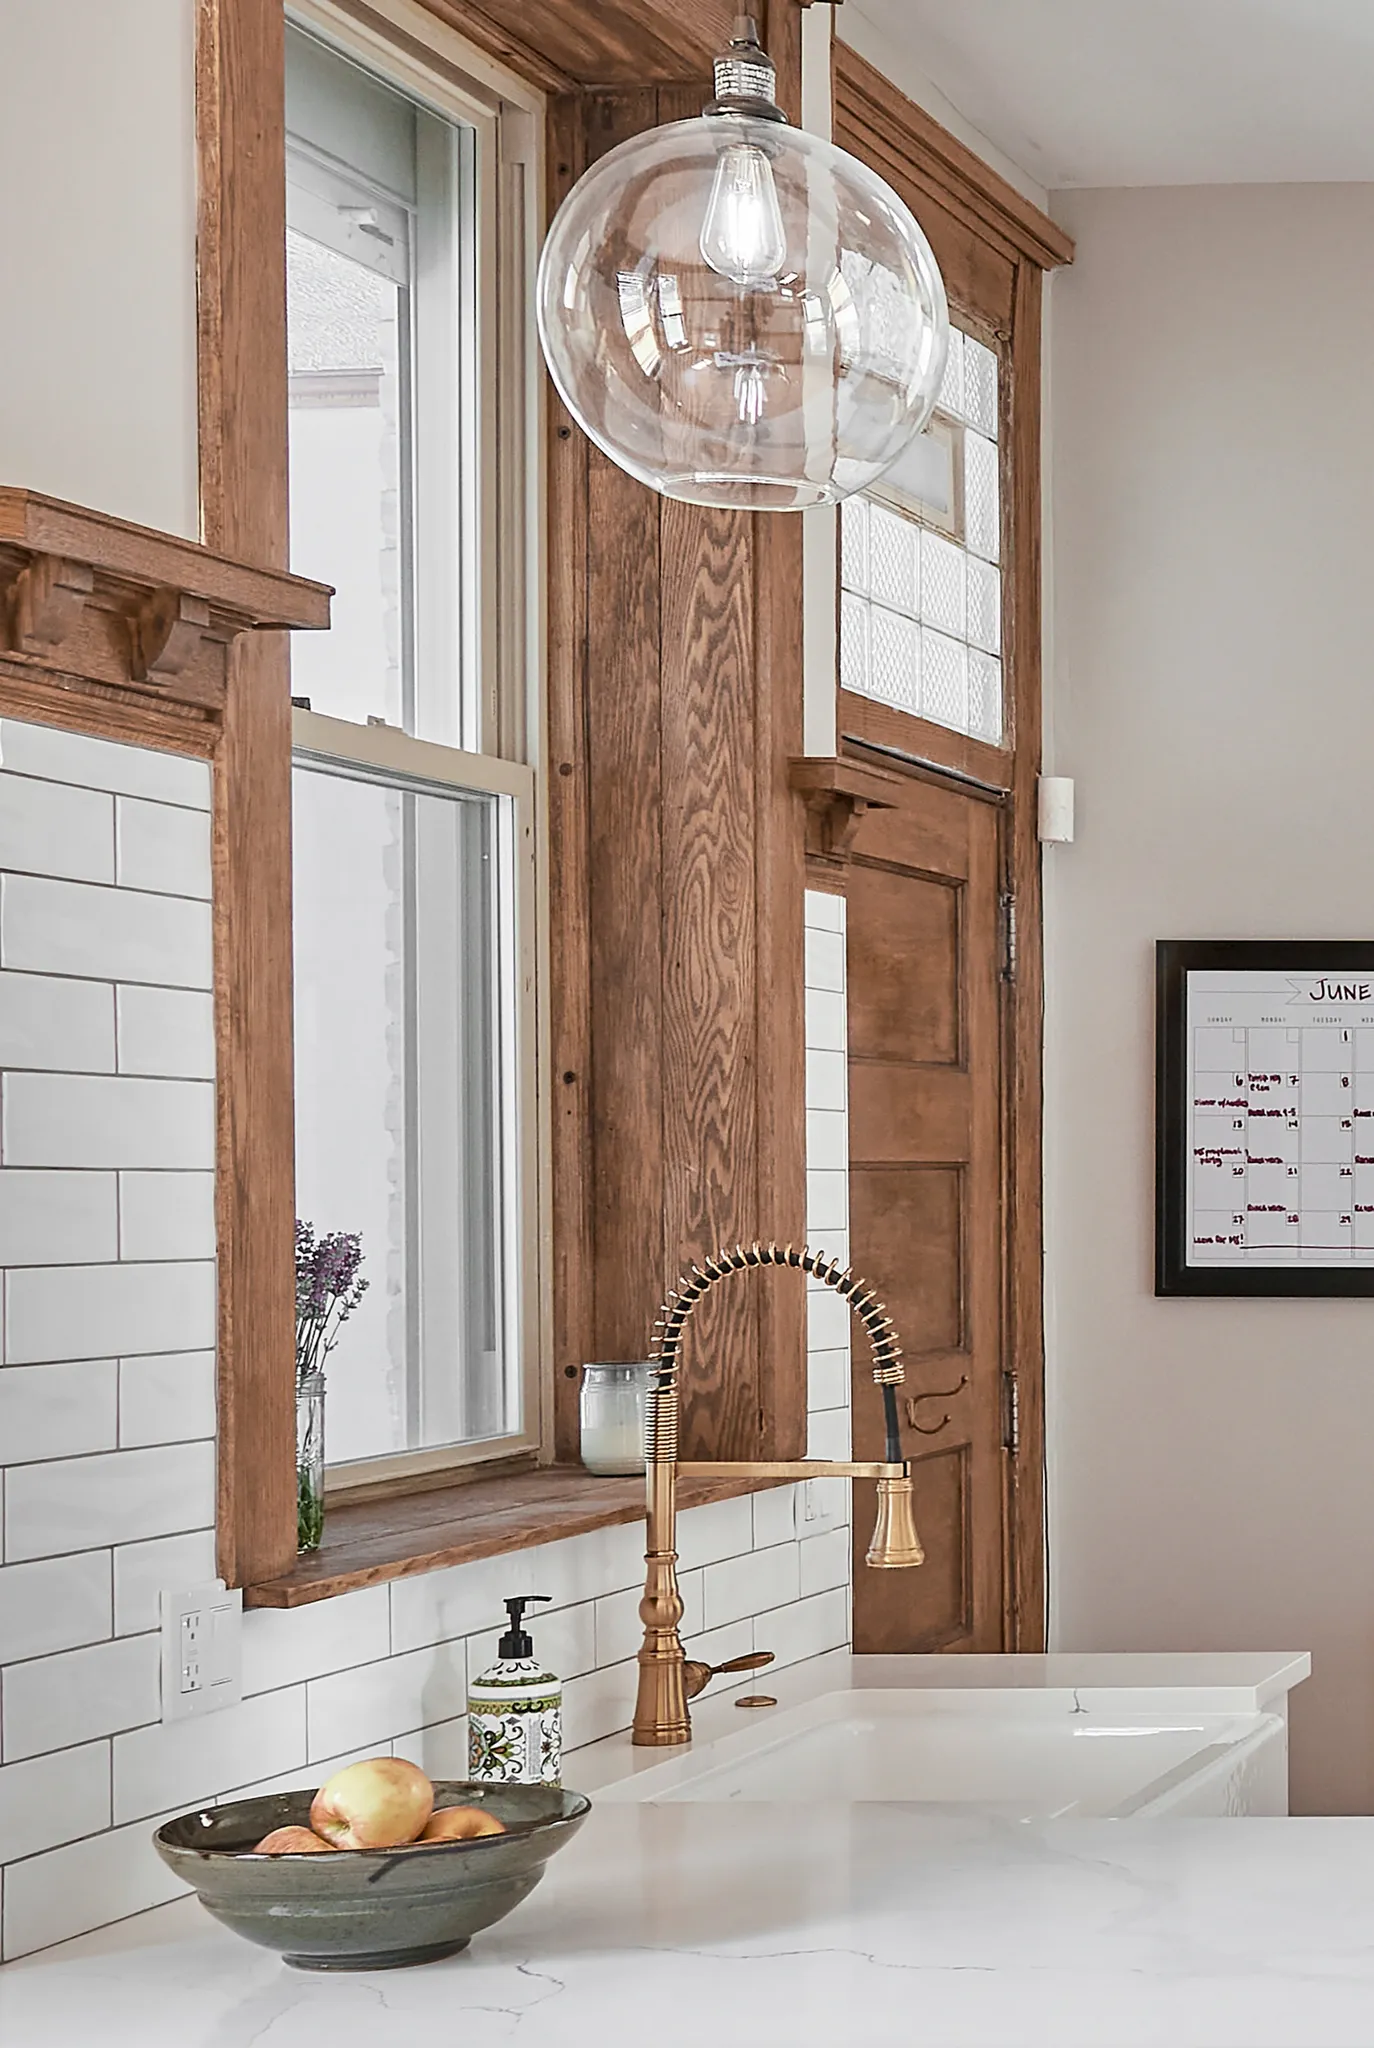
[202, 1650]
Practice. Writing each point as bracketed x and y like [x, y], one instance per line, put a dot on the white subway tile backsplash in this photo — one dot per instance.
[166, 1215]
[115, 1497]
[720, 1645]
[599, 1704]
[775, 1516]
[52, 1799]
[107, 1120]
[723, 1529]
[56, 1604]
[824, 1504]
[86, 1884]
[56, 1312]
[166, 1031]
[56, 1702]
[825, 960]
[184, 1763]
[50, 1023]
[825, 1562]
[826, 1028]
[168, 1398]
[440, 1751]
[50, 828]
[827, 1321]
[827, 1140]
[307, 1779]
[827, 1080]
[824, 912]
[162, 847]
[286, 1646]
[827, 1201]
[828, 1433]
[57, 1411]
[62, 1219]
[370, 1702]
[143, 1571]
[55, 927]
[94, 763]
[806, 1627]
[827, 1378]
[741, 1586]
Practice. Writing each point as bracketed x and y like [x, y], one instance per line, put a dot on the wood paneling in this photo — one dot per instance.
[241, 245]
[558, 43]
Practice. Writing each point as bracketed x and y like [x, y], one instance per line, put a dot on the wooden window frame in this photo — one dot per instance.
[994, 247]
[649, 59]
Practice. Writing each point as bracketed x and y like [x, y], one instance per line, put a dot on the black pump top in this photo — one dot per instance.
[516, 1642]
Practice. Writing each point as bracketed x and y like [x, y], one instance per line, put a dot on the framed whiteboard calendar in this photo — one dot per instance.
[1264, 1117]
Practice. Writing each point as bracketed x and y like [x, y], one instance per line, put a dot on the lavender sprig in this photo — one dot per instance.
[328, 1290]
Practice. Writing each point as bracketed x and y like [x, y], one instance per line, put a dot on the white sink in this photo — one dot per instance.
[1113, 1744]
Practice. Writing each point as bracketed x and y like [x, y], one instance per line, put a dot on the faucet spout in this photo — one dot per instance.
[661, 1714]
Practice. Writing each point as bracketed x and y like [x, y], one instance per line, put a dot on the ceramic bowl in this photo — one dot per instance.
[369, 1909]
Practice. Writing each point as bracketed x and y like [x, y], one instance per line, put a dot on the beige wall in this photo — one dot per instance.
[1212, 690]
[97, 338]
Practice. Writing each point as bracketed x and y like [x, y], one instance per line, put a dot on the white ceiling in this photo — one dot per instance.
[1153, 92]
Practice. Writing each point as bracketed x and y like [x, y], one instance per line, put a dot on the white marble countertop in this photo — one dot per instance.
[679, 1925]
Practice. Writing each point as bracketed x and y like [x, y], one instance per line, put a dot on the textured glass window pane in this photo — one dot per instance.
[854, 544]
[984, 697]
[984, 604]
[894, 559]
[944, 680]
[942, 585]
[402, 1068]
[982, 514]
[853, 644]
[895, 675]
[980, 387]
[951, 397]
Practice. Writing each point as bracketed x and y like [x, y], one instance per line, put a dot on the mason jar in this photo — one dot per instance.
[615, 1400]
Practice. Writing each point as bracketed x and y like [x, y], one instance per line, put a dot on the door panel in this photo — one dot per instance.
[926, 1200]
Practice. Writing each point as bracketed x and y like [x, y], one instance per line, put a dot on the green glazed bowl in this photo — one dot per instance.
[369, 1909]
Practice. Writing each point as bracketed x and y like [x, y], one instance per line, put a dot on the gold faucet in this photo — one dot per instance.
[666, 1680]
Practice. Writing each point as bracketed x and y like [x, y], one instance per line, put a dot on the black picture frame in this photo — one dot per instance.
[1175, 960]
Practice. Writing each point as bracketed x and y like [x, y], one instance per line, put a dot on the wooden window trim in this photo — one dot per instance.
[994, 247]
[242, 404]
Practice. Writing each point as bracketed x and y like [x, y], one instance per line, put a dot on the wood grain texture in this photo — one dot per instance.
[240, 81]
[555, 43]
[369, 1543]
[567, 795]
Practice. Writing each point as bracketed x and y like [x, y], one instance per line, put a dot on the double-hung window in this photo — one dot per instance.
[414, 817]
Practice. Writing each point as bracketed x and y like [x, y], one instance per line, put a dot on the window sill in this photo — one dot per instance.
[368, 1542]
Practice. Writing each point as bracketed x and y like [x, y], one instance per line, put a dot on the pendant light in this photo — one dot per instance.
[738, 313]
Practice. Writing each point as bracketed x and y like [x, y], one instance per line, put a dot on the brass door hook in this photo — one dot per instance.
[913, 1401]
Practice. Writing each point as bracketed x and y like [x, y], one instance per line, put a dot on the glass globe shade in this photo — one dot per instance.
[741, 314]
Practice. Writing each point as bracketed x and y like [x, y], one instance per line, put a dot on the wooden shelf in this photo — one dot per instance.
[368, 1542]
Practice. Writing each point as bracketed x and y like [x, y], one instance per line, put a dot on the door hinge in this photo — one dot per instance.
[1011, 1414]
[1008, 938]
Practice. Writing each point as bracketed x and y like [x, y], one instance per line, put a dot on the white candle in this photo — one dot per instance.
[613, 1404]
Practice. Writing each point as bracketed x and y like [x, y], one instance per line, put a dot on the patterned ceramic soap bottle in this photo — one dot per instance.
[515, 1712]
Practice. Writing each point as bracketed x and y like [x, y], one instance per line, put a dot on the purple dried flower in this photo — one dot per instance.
[328, 1290]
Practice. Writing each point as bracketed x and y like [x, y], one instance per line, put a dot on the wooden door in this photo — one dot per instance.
[925, 1095]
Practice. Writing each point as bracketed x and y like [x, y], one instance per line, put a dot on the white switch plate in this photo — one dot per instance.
[202, 1650]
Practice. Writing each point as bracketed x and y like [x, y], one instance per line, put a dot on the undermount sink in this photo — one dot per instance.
[895, 1729]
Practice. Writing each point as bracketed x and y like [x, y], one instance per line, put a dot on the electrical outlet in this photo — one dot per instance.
[202, 1650]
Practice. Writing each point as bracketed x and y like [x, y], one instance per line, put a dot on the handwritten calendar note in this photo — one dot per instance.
[1280, 1109]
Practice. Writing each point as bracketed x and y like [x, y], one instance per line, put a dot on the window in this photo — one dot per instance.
[920, 581]
[413, 816]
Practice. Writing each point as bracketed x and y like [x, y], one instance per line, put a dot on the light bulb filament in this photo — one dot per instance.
[742, 236]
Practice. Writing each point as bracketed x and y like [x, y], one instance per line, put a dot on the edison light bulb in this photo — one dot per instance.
[743, 237]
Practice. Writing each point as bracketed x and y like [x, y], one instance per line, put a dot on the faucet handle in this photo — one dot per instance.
[696, 1676]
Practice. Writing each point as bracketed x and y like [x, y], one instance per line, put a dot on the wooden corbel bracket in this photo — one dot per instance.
[46, 600]
[838, 795]
[167, 632]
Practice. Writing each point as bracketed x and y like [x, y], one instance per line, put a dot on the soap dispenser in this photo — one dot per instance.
[515, 1711]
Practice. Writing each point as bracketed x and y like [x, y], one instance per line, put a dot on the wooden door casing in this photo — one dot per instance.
[925, 1094]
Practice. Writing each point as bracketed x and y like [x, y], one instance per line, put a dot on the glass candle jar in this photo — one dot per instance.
[614, 1401]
